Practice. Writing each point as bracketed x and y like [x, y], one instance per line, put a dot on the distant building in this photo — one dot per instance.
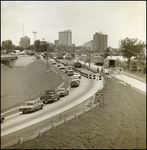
[65, 38]
[100, 42]
[56, 42]
[88, 45]
[24, 41]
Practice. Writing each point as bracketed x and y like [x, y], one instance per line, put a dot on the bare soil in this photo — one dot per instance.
[119, 124]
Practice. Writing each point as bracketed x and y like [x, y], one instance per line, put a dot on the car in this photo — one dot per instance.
[77, 65]
[67, 68]
[53, 62]
[70, 72]
[76, 76]
[63, 92]
[50, 96]
[75, 82]
[62, 67]
[31, 106]
[58, 64]
[60, 57]
[2, 118]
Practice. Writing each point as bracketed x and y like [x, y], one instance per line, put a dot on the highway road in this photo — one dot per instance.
[76, 95]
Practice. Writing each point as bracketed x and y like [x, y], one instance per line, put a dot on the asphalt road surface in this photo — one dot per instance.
[17, 121]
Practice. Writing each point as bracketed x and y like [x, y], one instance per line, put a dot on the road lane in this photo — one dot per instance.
[76, 95]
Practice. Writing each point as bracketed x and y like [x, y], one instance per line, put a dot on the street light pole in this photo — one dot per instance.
[89, 56]
[47, 61]
[137, 64]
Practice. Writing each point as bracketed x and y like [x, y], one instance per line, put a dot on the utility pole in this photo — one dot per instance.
[47, 70]
[137, 64]
[89, 56]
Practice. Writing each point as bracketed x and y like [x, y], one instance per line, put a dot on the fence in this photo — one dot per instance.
[49, 124]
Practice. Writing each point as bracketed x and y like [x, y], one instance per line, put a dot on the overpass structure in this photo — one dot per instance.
[8, 58]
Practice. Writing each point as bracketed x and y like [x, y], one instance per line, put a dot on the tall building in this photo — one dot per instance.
[24, 41]
[100, 42]
[65, 38]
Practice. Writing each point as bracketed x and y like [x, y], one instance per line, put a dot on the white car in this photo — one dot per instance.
[53, 62]
[62, 67]
[76, 76]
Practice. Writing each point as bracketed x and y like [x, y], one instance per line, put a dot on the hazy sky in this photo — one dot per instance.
[117, 19]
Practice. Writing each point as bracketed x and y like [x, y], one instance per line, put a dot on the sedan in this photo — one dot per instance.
[31, 106]
[76, 76]
[62, 67]
[75, 82]
[63, 92]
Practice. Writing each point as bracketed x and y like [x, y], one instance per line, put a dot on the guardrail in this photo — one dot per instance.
[64, 117]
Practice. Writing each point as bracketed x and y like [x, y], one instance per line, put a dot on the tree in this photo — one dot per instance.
[43, 47]
[131, 47]
[7, 45]
[107, 52]
[37, 45]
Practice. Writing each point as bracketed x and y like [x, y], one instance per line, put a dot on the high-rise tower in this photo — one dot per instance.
[65, 38]
[34, 32]
[100, 42]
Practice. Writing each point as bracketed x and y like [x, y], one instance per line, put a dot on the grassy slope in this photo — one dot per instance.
[121, 123]
[18, 84]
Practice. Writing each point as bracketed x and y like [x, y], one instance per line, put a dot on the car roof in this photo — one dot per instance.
[75, 79]
[31, 101]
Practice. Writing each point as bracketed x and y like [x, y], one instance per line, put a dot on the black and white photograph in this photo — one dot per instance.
[73, 74]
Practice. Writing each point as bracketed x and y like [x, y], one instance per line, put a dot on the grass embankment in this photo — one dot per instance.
[29, 82]
[120, 124]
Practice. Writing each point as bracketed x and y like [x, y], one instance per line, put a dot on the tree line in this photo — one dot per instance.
[129, 47]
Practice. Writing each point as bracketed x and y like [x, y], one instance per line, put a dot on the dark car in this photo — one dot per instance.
[50, 96]
[75, 82]
[77, 65]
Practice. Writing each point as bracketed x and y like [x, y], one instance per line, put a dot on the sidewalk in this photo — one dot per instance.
[143, 79]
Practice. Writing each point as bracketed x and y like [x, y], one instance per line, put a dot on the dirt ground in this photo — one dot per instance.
[119, 124]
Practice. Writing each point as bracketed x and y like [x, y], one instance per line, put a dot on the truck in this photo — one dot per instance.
[50, 96]
[99, 61]
[111, 62]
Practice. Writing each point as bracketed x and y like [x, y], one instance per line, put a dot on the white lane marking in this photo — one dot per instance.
[54, 70]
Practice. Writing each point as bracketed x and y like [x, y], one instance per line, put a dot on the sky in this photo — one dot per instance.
[117, 19]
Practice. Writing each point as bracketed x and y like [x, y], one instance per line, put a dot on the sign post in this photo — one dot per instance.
[99, 95]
